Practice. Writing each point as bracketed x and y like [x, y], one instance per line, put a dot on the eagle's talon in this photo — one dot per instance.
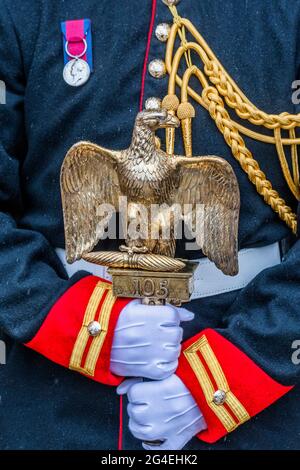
[131, 250]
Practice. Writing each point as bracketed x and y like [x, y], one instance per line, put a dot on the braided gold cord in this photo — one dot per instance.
[245, 158]
[284, 164]
[295, 159]
[234, 97]
[246, 110]
[224, 90]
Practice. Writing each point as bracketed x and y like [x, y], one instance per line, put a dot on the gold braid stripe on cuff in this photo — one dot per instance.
[202, 347]
[101, 289]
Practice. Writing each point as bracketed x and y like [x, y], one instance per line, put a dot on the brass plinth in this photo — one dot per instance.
[152, 287]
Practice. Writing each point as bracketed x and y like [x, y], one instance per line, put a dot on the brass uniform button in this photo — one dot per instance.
[171, 3]
[162, 32]
[157, 68]
[153, 104]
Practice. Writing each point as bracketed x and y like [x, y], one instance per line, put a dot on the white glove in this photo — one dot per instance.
[162, 411]
[147, 340]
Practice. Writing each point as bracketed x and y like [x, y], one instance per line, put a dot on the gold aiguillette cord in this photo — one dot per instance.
[219, 90]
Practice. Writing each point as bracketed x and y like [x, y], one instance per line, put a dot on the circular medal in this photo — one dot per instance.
[76, 72]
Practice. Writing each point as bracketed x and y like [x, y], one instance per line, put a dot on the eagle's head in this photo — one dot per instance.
[157, 119]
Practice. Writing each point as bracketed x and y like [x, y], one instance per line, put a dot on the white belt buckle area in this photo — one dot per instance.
[208, 280]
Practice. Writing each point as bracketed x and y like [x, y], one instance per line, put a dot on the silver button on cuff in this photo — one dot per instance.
[219, 397]
[162, 32]
[94, 328]
[157, 68]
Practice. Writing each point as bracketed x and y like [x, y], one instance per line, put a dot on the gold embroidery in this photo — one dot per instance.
[83, 336]
[238, 409]
[202, 346]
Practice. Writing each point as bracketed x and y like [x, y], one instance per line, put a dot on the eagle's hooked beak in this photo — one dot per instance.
[158, 119]
[170, 121]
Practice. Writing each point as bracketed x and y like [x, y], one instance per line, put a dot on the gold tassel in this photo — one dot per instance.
[186, 112]
[170, 103]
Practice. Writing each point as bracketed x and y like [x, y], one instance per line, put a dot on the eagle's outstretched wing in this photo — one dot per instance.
[211, 182]
[88, 178]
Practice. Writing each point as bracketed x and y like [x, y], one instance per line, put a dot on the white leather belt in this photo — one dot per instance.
[208, 280]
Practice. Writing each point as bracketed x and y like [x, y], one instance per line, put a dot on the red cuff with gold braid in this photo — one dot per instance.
[227, 385]
[64, 337]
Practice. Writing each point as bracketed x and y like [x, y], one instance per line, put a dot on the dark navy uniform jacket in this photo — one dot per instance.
[46, 406]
